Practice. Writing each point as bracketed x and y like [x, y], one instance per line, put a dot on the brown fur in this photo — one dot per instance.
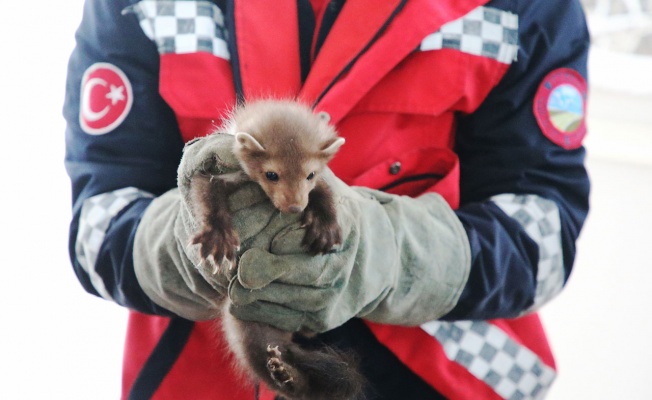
[287, 140]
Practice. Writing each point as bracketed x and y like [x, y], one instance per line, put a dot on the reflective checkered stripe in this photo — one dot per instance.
[96, 215]
[510, 369]
[485, 31]
[540, 219]
[183, 26]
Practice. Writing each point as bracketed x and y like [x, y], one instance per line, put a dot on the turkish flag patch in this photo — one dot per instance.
[560, 107]
[106, 98]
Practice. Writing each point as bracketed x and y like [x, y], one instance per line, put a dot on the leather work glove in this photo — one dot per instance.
[403, 261]
[168, 268]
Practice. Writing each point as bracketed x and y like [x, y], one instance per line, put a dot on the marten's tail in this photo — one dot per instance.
[300, 371]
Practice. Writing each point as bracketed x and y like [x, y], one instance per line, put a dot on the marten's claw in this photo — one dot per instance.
[319, 243]
[278, 369]
[273, 351]
[216, 266]
[219, 245]
[322, 232]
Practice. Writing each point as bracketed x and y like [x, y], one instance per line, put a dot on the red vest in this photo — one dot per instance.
[396, 107]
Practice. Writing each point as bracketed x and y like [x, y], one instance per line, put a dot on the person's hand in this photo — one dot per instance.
[402, 261]
[205, 162]
[169, 268]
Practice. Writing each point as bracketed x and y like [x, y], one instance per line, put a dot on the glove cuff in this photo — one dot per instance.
[435, 261]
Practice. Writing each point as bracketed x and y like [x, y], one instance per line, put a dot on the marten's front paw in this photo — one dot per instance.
[222, 245]
[322, 232]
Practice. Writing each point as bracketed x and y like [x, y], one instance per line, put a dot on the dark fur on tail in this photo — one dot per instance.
[296, 366]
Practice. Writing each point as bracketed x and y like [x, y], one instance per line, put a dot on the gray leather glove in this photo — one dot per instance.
[403, 261]
[167, 266]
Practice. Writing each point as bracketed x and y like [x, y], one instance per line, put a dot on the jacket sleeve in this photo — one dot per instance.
[524, 198]
[116, 174]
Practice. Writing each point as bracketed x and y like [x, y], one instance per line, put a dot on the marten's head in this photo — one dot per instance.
[284, 147]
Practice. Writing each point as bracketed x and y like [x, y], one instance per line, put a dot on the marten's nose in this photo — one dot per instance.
[295, 209]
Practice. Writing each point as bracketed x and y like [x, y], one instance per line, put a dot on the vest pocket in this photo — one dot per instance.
[416, 172]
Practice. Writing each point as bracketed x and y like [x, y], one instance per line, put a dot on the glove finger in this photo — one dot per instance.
[261, 222]
[291, 241]
[247, 195]
[212, 154]
[258, 268]
[269, 313]
[300, 298]
[252, 221]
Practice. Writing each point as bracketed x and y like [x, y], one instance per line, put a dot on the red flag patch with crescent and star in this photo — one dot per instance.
[106, 98]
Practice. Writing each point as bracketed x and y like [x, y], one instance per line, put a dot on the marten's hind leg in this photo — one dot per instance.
[283, 374]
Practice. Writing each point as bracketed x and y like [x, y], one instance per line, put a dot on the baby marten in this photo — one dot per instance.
[283, 147]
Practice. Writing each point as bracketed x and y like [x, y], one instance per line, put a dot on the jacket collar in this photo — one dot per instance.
[267, 37]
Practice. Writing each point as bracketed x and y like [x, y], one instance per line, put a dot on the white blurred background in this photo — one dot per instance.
[58, 342]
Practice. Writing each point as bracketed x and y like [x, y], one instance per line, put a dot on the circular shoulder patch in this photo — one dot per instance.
[106, 98]
[560, 107]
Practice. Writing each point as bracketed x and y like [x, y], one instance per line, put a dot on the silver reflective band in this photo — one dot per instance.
[183, 26]
[96, 215]
[539, 217]
[485, 31]
[511, 370]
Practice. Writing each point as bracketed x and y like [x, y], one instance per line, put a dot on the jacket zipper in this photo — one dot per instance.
[235, 61]
[373, 40]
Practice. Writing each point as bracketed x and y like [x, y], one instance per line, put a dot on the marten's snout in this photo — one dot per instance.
[289, 203]
[294, 209]
[294, 206]
[290, 207]
[289, 197]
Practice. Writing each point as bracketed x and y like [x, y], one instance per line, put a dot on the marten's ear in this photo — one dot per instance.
[248, 142]
[331, 148]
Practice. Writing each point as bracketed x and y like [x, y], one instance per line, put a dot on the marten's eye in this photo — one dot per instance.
[310, 176]
[271, 176]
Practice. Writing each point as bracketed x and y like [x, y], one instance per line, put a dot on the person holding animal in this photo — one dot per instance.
[447, 216]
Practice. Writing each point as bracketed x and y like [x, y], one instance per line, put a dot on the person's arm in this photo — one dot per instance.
[116, 170]
[524, 197]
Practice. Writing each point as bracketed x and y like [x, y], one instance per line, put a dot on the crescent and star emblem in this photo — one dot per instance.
[106, 98]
